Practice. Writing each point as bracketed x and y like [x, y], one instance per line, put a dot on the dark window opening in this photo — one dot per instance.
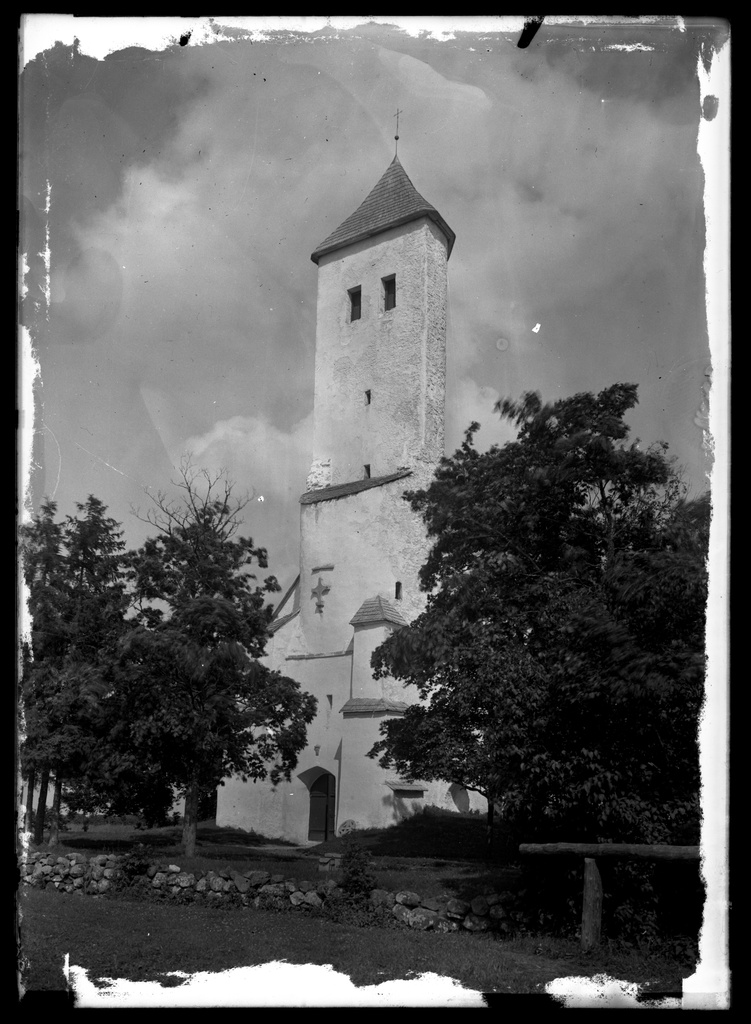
[366, 467]
[389, 292]
[398, 591]
[367, 398]
[355, 303]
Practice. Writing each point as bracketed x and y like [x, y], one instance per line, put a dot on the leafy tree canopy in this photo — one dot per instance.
[560, 658]
[141, 674]
[77, 602]
[195, 700]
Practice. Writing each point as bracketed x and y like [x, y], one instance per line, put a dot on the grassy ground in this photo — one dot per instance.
[213, 842]
[431, 854]
[143, 941]
[436, 834]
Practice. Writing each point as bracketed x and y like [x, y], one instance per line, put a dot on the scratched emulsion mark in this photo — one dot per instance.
[29, 376]
[98, 37]
[46, 253]
[606, 993]
[709, 107]
[213, 30]
[531, 27]
[709, 986]
[629, 47]
[276, 984]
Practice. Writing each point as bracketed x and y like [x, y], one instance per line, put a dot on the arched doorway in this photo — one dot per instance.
[322, 808]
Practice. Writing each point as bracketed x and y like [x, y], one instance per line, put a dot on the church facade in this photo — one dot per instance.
[380, 370]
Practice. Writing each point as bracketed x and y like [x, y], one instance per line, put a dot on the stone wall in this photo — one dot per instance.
[102, 875]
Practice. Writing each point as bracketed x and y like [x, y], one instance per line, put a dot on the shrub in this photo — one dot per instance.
[134, 864]
[357, 879]
[355, 909]
[274, 902]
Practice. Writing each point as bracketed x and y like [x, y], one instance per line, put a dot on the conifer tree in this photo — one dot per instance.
[76, 595]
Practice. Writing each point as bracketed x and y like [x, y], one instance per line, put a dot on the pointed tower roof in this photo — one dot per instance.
[393, 201]
[377, 609]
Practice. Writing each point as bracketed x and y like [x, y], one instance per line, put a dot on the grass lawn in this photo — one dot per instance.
[212, 841]
[143, 941]
[432, 854]
[436, 834]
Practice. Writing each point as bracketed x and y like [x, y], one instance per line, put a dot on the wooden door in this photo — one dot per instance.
[322, 800]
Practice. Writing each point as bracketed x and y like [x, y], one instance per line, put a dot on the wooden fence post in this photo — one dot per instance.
[591, 905]
[592, 901]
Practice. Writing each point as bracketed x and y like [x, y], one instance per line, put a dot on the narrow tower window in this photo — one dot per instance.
[367, 398]
[355, 303]
[398, 591]
[389, 292]
[366, 467]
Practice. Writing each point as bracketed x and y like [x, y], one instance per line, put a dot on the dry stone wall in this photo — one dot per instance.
[103, 875]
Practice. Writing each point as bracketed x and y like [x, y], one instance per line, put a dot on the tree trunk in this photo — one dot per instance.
[55, 822]
[41, 807]
[491, 816]
[29, 817]
[190, 824]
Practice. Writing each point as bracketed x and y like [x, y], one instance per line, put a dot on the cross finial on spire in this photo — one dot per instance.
[396, 137]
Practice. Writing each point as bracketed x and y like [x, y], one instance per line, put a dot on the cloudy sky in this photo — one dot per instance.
[172, 195]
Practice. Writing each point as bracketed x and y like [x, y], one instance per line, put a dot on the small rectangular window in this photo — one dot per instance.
[367, 398]
[398, 591]
[367, 471]
[355, 303]
[389, 292]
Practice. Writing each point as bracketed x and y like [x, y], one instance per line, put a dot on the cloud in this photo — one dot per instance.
[212, 283]
[217, 170]
[270, 465]
[424, 82]
[468, 401]
[275, 462]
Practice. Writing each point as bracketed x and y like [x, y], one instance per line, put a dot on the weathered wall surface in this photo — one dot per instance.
[366, 638]
[361, 545]
[284, 810]
[398, 355]
[373, 540]
[339, 745]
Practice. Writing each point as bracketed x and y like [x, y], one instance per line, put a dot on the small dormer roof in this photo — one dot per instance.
[377, 609]
[393, 201]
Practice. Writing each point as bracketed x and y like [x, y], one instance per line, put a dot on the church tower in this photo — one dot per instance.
[380, 371]
[381, 336]
[380, 376]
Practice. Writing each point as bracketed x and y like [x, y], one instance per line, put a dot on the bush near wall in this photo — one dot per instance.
[111, 876]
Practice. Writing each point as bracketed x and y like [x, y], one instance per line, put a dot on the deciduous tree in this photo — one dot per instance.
[560, 657]
[195, 699]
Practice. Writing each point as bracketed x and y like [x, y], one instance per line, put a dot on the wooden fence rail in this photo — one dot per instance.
[591, 852]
